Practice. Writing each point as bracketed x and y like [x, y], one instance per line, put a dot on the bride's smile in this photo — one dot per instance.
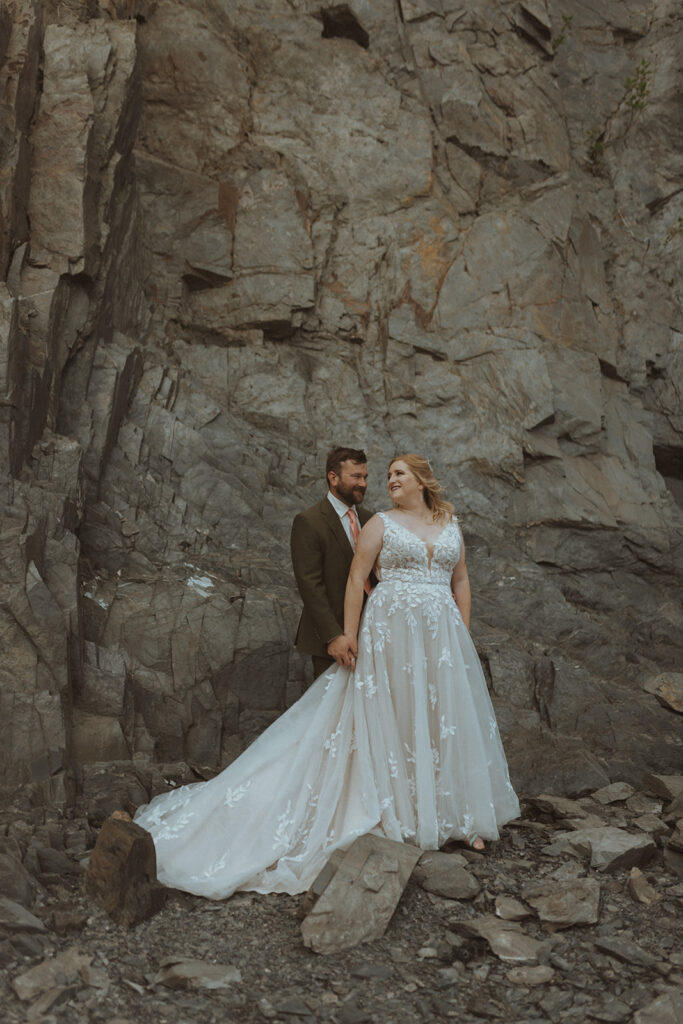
[404, 488]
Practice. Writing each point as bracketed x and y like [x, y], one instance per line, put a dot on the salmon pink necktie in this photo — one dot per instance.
[355, 531]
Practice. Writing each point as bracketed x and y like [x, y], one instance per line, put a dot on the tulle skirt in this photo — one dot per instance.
[406, 745]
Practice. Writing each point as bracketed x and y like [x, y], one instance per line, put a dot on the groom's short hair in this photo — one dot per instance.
[339, 455]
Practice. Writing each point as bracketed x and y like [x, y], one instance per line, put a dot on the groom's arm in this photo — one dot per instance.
[308, 563]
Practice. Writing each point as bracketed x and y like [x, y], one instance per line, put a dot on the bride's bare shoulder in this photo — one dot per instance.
[375, 524]
[384, 518]
[372, 534]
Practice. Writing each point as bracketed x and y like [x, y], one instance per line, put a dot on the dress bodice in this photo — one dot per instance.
[405, 557]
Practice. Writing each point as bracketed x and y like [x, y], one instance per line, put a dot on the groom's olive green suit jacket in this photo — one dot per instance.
[321, 556]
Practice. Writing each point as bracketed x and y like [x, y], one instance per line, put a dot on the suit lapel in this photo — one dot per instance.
[334, 523]
[363, 515]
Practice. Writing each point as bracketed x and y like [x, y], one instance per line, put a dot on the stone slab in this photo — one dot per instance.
[64, 969]
[668, 787]
[558, 806]
[16, 918]
[531, 976]
[641, 890]
[616, 792]
[510, 909]
[625, 950]
[445, 874]
[676, 839]
[668, 689]
[188, 973]
[563, 904]
[665, 1009]
[15, 881]
[506, 939]
[359, 900]
[609, 848]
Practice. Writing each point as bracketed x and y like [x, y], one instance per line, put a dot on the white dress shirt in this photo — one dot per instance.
[342, 510]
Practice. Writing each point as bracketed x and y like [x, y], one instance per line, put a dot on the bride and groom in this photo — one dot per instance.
[396, 736]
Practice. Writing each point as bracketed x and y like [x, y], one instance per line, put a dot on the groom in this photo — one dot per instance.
[323, 542]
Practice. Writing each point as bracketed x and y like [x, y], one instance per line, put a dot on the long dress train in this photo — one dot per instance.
[406, 745]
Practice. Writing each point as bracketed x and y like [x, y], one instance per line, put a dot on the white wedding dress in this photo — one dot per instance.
[405, 745]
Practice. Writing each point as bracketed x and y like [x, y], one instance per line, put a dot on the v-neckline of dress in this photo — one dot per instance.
[430, 556]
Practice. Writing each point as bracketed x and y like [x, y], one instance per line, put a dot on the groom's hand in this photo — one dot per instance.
[341, 650]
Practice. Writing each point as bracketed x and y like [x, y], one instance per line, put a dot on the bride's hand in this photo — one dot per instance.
[340, 650]
[353, 644]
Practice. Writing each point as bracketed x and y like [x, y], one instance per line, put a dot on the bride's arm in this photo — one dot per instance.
[460, 585]
[368, 547]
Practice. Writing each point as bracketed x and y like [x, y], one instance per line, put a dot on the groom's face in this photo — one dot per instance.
[350, 483]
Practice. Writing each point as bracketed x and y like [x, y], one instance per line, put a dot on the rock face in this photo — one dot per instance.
[233, 235]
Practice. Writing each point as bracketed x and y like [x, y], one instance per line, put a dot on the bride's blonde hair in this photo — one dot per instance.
[441, 509]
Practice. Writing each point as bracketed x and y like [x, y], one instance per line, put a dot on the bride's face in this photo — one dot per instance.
[403, 486]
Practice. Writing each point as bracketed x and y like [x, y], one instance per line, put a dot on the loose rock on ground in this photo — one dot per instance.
[529, 946]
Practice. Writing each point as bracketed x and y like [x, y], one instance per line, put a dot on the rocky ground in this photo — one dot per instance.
[574, 915]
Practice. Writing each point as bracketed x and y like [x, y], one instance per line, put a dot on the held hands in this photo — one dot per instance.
[344, 650]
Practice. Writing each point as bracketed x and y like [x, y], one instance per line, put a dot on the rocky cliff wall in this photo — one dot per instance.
[233, 234]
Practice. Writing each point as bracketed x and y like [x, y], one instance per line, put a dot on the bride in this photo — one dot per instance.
[403, 742]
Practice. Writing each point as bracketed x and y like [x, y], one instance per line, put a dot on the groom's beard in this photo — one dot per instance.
[351, 494]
